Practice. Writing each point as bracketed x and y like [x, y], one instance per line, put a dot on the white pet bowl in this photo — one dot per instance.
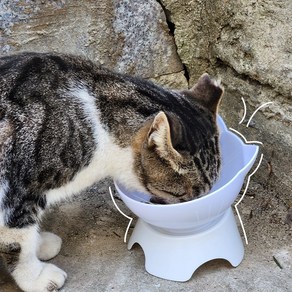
[178, 238]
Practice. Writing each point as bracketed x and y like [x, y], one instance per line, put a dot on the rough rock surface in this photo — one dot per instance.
[127, 36]
[251, 38]
[247, 44]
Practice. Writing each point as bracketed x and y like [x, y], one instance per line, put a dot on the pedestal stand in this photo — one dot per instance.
[176, 257]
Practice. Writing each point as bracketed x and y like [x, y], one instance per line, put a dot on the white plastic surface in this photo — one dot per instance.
[177, 257]
[198, 230]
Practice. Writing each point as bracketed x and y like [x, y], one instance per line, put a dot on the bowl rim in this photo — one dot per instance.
[223, 128]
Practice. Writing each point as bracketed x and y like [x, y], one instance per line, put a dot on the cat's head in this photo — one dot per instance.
[176, 152]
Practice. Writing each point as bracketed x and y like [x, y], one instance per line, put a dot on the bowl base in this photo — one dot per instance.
[176, 258]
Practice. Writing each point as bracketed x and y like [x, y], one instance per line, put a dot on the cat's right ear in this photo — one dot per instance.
[159, 137]
[207, 91]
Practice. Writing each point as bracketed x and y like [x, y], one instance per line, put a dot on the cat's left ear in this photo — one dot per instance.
[159, 137]
[207, 91]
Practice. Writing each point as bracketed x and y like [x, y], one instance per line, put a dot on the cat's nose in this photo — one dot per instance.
[158, 200]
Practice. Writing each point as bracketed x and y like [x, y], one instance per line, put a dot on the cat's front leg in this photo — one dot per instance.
[28, 271]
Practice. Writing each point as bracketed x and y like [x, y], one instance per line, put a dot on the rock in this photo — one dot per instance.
[172, 81]
[197, 26]
[247, 44]
[256, 42]
[251, 38]
[127, 36]
[148, 48]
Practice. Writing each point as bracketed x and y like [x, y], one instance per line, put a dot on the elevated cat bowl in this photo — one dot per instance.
[178, 238]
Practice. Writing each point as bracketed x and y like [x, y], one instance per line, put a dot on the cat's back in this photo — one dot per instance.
[28, 72]
[34, 62]
[37, 88]
[48, 134]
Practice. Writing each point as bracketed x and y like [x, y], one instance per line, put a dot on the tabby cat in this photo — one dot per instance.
[66, 122]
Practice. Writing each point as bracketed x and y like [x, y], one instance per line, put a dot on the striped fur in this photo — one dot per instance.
[66, 123]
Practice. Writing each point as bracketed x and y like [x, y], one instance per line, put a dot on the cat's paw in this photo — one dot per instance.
[49, 246]
[51, 278]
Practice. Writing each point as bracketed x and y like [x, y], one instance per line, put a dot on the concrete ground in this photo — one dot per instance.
[96, 258]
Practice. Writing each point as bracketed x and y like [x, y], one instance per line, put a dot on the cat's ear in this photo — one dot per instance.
[207, 91]
[159, 137]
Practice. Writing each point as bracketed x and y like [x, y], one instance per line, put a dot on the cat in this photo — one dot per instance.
[66, 123]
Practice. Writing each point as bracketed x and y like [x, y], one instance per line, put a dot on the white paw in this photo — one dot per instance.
[51, 278]
[49, 246]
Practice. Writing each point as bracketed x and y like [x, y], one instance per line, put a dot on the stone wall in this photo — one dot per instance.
[127, 36]
[246, 43]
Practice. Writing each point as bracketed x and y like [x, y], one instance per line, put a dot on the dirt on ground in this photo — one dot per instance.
[96, 258]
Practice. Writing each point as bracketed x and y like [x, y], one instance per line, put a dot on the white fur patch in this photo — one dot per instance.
[27, 235]
[109, 159]
[31, 274]
[87, 101]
